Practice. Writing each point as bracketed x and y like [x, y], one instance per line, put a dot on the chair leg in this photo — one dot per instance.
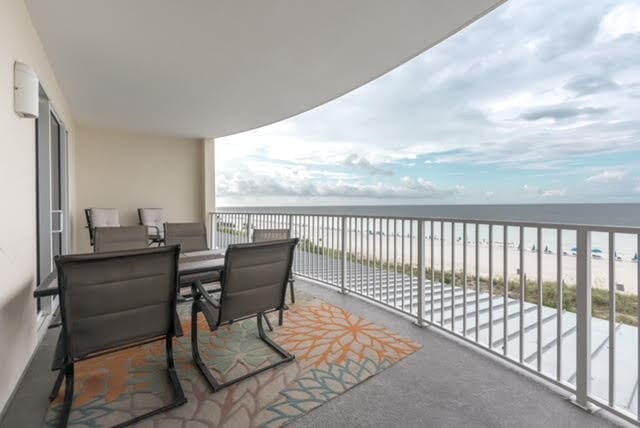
[217, 386]
[266, 339]
[68, 395]
[57, 385]
[293, 295]
[268, 322]
[178, 393]
[195, 352]
[281, 317]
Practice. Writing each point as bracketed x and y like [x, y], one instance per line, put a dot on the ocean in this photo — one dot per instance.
[619, 214]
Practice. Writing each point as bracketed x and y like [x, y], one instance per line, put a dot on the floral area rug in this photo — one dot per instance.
[335, 351]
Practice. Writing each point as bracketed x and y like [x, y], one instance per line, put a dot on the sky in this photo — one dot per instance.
[537, 102]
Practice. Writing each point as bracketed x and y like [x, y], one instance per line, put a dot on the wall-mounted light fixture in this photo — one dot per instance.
[25, 91]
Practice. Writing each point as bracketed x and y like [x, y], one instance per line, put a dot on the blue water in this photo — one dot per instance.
[588, 214]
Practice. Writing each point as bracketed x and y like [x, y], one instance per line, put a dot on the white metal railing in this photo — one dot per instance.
[450, 274]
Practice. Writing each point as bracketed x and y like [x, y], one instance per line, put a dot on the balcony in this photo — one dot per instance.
[128, 113]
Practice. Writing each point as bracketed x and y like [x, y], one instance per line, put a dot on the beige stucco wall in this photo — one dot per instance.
[128, 171]
[18, 329]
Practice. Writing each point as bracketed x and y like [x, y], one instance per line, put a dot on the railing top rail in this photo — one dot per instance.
[511, 223]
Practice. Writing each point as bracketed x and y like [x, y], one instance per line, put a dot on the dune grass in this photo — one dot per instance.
[626, 305]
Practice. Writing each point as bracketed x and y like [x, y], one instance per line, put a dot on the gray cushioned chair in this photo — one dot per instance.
[100, 217]
[266, 235]
[254, 282]
[190, 237]
[119, 238]
[154, 219]
[110, 301]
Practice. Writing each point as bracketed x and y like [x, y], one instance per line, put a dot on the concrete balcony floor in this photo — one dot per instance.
[445, 384]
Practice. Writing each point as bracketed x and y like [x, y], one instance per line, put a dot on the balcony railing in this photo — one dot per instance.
[545, 297]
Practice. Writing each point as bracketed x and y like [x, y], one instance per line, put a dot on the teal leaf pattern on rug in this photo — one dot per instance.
[320, 386]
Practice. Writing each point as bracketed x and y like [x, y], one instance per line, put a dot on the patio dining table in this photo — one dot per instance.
[192, 265]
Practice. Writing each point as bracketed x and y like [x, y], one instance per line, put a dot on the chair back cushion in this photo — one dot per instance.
[266, 235]
[116, 299]
[103, 217]
[153, 217]
[190, 236]
[255, 278]
[120, 238]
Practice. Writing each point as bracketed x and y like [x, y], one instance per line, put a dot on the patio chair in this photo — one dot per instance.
[100, 316]
[100, 217]
[119, 238]
[154, 219]
[191, 237]
[266, 235]
[254, 282]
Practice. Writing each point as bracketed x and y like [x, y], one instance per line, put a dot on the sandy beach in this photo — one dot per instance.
[381, 247]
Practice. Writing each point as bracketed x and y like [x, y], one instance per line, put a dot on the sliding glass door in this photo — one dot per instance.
[52, 190]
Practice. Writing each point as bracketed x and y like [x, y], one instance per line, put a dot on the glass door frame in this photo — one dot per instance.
[44, 182]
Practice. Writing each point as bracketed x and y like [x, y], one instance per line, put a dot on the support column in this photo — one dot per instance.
[209, 187]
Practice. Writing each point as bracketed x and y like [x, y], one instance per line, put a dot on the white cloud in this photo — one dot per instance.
[554, 193]
[607, 177]
[622, 20]
[262, 185]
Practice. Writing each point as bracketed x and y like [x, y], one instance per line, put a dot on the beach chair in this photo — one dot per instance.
[266, 235]
[254, 283]
[154, 219]
[99, 316]
[119, 238]
[100, 217]
[191, 237]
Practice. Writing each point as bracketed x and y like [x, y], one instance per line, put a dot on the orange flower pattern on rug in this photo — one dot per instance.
[335, 350]
[321, 334]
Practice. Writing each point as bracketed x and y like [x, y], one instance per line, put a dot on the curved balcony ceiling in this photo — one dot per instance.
[214, 68]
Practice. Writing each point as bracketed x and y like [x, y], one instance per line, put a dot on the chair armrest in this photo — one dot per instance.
[205, 294]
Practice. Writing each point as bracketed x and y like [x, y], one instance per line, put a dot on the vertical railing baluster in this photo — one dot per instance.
[402, 275]
[560, 305]
[612, 317]
[583, 315]
[368, 257]
[464, 280]
[248, 227]
[453, 276]
[505, 281]
[343, 249]
[442, 273]
[325, 247]
[411, 265]
[433, 272]
[395, 262]
[477, 257]
[522, 287]
[373, 256]
[421, 267]
[490, 343]
[387, 264]
[540, 299]
[380, 280]
[361, 279]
